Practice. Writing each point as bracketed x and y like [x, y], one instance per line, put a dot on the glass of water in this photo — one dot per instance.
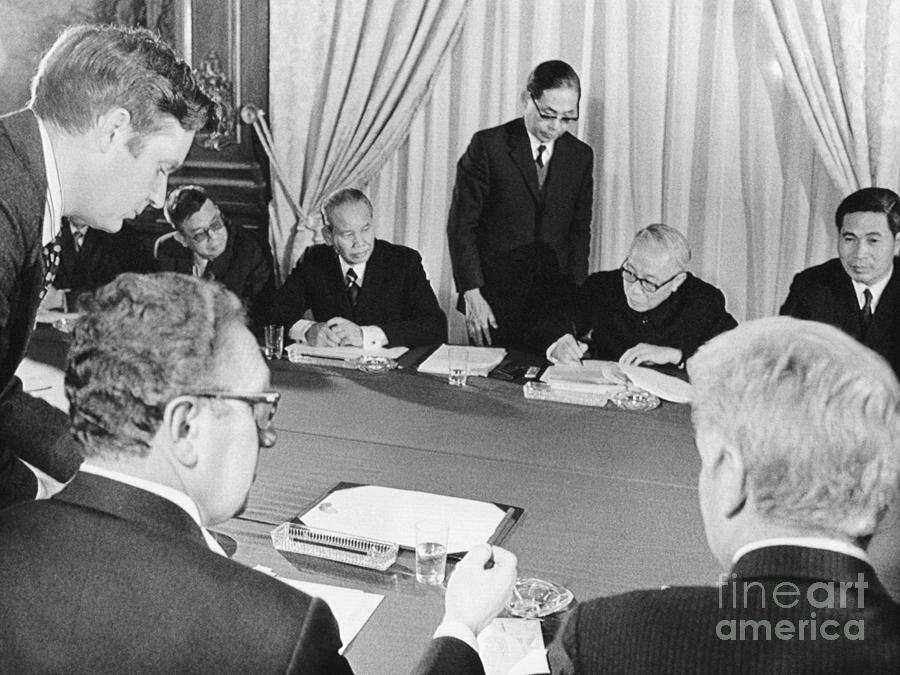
[274, 336]
[458, 366]
[431, 552]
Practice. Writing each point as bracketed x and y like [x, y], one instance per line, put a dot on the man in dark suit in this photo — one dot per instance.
[797, 427]
[88, 259]
[519, 228]
[206, 246]
[170, 401]
[97, 152]
[859, 291]
[649, 311]
[361, 291]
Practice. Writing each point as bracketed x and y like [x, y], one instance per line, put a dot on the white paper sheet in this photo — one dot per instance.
[513, 647]
[345, 352]
[43, 381]
[665, 386]
[350, 607]
[390, 515]
[606, 376]
[482, 360]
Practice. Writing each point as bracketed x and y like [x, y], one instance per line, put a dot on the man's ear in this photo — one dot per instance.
[328, 235]
[732, 480]
[181, 239]
[181, 419]
[114, 126]
[678, 281]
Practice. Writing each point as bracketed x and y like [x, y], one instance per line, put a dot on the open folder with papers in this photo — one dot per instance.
[607, 377]
[344, 352]
[482, 360]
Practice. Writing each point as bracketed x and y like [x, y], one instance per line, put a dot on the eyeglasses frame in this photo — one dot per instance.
[654, 287]
[562, 119]
[270, 398]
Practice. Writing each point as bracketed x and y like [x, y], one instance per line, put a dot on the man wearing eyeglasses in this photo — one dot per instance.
[649, 311]
[519, 227]
[170, 402]
[206, 246]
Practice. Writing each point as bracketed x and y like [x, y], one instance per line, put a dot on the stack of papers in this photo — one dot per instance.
[482, 360]
[513, 647]
[297, 349]
[608, 377]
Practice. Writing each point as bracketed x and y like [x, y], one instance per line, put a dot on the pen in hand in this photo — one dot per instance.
[489, 563]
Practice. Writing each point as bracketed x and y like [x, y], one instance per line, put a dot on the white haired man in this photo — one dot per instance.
[797, 427]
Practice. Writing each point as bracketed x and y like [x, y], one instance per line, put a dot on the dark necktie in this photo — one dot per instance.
[539, 158]
[352, 287]
[78, 236]
[865, 314]
[50, 257]
[541, 166]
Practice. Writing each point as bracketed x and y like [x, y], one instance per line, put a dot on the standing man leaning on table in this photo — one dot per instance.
[797, 426]
[170, 400]
[361, 291]
[519, 228]
[113, 112]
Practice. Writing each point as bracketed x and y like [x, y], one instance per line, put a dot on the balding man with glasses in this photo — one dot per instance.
[519, 229]
[650, 311]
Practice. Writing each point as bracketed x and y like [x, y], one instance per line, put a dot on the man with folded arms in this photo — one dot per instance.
[170, 400]
[859, 291]
[649, 311]
[361, 291]
[113, 112]
[797, 426]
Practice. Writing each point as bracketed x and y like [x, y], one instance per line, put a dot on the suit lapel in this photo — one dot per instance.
[335, 280]
[520, 154]
[369, 291]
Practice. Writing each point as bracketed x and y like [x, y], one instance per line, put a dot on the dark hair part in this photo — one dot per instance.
[143, 340]
[339, 198]
[182, 203]
[552, 75]
[871, 200]
[92, 68]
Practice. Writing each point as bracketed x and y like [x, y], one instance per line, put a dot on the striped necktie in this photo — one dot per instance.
[352, 286]
[50, 259]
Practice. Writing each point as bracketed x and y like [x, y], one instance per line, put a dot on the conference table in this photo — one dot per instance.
[609, 496]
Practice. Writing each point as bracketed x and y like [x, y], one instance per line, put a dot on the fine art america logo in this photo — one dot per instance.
[805, 605]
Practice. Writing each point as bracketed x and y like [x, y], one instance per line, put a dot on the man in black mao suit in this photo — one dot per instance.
[519, 228]
[789, 505]
[836, 292]
[361, 291]
[205, 245]
[650, 311]
[98, 159]
[117, 573]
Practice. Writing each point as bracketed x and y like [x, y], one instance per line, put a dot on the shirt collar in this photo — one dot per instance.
[54, 208]
[360, 269]
[823, 543]
[168, 493]
[200, 264]
[875, 289]
[535, 143]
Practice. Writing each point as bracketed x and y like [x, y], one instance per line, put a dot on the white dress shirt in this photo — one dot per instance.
[875, 289]
[824, 543]
[535, 144]
[53, 207]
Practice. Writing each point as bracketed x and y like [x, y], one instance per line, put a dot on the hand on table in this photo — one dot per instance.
[476, 595]
[567, 350]
[479, 317]
[644, 353]
[349, 333]
[320, 335]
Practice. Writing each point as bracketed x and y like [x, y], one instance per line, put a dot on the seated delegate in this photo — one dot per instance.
[88, 258]
[117, 573]
[789, 505]
[859, 291]
[361, 291]
[207, 246]
[651, 310]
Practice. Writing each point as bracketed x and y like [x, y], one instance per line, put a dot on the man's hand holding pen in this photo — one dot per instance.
[568, 349]
[480, 586]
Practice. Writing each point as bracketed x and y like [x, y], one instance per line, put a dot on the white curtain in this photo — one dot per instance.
[841, 64]
[684, 102]
[346, 79]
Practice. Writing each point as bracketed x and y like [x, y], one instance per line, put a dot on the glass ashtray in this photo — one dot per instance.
[534, 598]
[635, 399]
[374, 364]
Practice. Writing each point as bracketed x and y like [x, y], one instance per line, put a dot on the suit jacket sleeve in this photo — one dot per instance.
[317, 649]
[449, 656]
[424, 321]
[469, 192]
[712, 320]
[794, 305]
[289, 303]
[580, 237]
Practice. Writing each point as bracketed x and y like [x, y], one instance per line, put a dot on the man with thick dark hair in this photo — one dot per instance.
[170, 400]
[519, 228]
[797, 426]
[113, 112]
[859, 291]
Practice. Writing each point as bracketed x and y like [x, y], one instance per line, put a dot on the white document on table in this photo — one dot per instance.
[345, 352]
[351, 608]
[43, 381]
[513, 647]
[607, 377]
[389, 514]
[482, 360]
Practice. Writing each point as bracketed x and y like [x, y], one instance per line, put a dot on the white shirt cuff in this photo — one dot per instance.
[458, 630]
[298, 330]
[373, 337]
[47, 485]
[550, 350]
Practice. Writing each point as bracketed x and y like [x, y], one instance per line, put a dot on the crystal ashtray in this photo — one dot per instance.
[374, 364]
[534, 598]
[635, 399]
[337, 546]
